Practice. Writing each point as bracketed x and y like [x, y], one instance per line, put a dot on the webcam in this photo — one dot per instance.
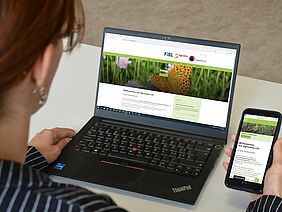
[167, 38]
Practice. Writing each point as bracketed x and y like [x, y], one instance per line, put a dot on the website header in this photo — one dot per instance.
[170, 50]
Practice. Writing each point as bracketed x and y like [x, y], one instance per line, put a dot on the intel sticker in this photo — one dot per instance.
[59, 166]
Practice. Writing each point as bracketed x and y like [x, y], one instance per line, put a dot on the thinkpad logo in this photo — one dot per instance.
[181, 189]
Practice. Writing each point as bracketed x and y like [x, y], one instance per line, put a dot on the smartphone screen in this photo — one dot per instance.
[252, 152]
[253, 148]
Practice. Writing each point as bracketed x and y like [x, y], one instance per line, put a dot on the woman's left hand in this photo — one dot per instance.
[228, 152]
[51, 142]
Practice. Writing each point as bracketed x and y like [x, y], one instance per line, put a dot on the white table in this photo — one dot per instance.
[71, 104]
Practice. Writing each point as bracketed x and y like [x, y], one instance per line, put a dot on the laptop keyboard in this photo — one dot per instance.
[143, 148]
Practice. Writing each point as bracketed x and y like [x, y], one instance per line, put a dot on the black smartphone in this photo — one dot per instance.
[252, 152]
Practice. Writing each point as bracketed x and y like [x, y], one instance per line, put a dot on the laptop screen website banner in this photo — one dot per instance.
[167, 79]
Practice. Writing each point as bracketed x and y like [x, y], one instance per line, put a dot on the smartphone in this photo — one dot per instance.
[252, 152]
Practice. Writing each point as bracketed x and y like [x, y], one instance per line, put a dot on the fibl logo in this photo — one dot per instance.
[168, 54]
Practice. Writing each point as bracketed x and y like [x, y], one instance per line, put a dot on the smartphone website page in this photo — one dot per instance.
[253, 148]
[167, 79]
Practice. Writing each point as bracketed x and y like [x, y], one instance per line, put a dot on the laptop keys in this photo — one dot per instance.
[115, 149]
[202, 148]
[77, 147]
[86, 149]
[161, 152]
[103, 152]
[191, 163]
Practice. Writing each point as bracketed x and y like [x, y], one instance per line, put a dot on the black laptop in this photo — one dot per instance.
[161, 117]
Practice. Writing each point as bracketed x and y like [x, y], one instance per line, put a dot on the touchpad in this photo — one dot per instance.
[112, 173]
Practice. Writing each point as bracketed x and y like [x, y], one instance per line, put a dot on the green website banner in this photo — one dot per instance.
[256, 137]
[259, 121]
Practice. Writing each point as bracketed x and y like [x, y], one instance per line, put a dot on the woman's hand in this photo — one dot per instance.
[51, 142]
[228, 152]
[273, 177]
[272, 182]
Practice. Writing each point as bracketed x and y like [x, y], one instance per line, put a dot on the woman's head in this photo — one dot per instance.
[30, 38]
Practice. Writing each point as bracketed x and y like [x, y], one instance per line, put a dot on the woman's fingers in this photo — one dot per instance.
[228, 151]
[233, 137]
[60, 133]
[225, 165]
[277, 152]
[63, 142]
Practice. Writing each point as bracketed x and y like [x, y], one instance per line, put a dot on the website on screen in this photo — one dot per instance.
[168, 79]
[253, 148]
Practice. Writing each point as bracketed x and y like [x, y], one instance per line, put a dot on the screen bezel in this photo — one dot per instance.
[166, 123]
[245, 185]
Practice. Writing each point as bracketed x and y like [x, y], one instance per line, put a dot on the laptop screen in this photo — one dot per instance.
[166, 79]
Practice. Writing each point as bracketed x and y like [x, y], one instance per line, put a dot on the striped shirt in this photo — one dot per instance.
[27, 188]
[266, 203]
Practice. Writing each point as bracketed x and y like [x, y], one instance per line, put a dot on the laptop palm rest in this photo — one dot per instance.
[143, 181]
[127, 175]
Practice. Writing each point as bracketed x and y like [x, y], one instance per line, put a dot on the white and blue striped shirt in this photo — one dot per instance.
[27, 188]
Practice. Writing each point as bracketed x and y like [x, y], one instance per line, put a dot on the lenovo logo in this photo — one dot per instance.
[181, 189]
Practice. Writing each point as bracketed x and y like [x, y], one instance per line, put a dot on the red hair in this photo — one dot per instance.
[27, 27]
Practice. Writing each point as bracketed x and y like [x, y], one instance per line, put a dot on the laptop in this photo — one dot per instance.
[161, 116]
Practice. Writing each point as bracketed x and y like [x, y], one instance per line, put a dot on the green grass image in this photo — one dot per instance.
[258, 128]
[210, 84]
[136, 72]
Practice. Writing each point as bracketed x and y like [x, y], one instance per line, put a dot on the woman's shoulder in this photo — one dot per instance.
[21, 187]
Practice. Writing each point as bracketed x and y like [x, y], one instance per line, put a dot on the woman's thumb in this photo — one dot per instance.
[277, 152]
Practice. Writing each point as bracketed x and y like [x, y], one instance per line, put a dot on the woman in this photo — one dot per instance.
[30, 50]
[31, 34]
